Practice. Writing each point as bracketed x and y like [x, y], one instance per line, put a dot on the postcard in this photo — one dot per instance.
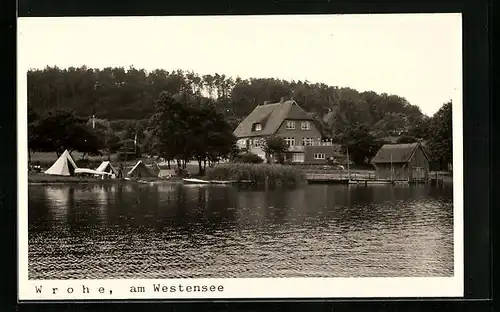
[222, 157]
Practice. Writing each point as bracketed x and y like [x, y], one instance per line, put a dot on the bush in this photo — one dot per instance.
[87, 163]
[248, 158]
[257, 173]
[126, 156]
[114, 143]
[120, 125]
[127, 145]
[406, 139]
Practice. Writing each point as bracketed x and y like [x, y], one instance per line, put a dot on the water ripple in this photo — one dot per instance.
[98, 232]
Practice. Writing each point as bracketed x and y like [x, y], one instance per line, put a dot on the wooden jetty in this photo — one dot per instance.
[438, 178]
[317, 180]
[366, 182]
[349, 178]
[327, 178]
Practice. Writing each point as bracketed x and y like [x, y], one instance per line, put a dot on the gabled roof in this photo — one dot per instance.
[396, 153]
[270, 116]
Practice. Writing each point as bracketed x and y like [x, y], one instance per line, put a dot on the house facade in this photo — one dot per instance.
[288, 120]
[404, 162]
[325, 152]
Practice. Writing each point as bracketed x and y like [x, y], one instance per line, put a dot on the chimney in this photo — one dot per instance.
[282, 100]
[266, 102]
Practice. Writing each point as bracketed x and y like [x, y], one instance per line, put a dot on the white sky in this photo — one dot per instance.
[416, 56]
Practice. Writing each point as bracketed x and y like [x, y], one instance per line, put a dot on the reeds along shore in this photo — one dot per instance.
[257, 174]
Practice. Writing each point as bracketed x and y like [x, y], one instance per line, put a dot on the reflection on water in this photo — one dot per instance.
[171, 230]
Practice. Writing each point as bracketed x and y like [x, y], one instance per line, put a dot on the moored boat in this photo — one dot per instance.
[195, 181]
[200, 181]
[222, 182]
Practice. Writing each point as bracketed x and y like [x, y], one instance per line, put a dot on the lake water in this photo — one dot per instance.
[180, 231]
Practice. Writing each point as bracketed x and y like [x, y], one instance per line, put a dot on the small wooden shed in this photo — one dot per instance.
[402, 162]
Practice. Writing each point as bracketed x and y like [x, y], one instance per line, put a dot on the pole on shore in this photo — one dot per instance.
[348, 168]
[392, 178]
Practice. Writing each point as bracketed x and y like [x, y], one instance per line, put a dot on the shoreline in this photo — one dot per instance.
[40, 179]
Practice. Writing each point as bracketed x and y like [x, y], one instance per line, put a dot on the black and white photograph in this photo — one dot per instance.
[240, 156]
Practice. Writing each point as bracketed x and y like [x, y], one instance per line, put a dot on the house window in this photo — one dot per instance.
[242, 142]
[257, 127]
[319, 156]
[307, 141]
[290, 141]
[305, 125]
[258, 142]
[298, 157]
[290, 124]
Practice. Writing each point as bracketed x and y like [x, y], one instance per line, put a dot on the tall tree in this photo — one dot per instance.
[212, 137]
[187, 127]
[360, 143]
[32, 133]
[169, 127]
[59, 130]
[209, 84]
[275, 147]
[440, 143]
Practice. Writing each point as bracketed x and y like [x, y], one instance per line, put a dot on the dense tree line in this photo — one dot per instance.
[124, 102]
[117, 94]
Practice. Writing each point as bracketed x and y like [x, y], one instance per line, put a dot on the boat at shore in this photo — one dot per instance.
[200, 181]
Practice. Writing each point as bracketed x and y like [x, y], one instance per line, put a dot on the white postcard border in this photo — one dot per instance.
[239, 287]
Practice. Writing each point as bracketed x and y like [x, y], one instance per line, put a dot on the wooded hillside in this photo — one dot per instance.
[124, 99]
[117, 93]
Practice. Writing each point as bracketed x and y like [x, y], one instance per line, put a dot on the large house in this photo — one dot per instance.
[288, 120]
[408, 162]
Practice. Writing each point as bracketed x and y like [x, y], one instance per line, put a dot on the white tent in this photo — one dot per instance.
[106, 166]
[64, 165]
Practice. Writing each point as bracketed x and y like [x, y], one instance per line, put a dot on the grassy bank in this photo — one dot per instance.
[46, 160]
[41, 178]
[257, 173]
[45, 178]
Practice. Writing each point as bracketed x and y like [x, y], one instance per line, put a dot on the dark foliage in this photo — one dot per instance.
[135, 103]
[249, 158]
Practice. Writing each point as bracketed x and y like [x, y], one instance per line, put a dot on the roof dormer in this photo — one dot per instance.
[257, 126]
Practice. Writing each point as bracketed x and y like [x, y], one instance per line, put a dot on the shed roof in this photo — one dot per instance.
[396, 153]
[270, 116]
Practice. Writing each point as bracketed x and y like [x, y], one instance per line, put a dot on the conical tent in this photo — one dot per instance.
[140, 170]
[106, 166]
[64, 165]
